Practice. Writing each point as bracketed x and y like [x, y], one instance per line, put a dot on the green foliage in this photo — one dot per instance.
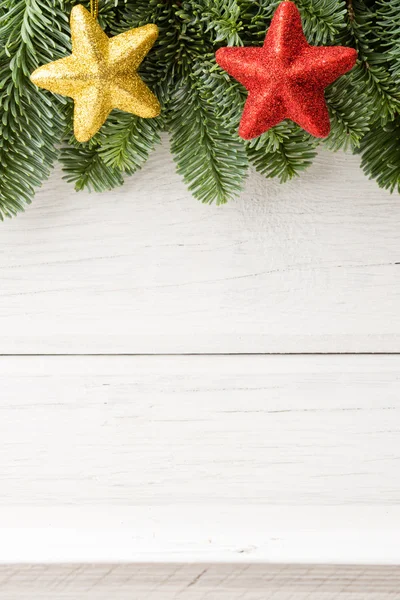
[388, 21]
[31, 122]
[202, 105]
[208, 153]
[211, 158]
[380, 150]
[378, 86]
[85, 168]
[221, 19]
[256, 16]
[350, 111]
[283, 151]
[126, 141]
[322, 20]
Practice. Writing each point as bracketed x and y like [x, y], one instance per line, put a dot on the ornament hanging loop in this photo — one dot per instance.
[94, 8]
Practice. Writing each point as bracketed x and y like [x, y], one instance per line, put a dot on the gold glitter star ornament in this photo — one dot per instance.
[101, 73]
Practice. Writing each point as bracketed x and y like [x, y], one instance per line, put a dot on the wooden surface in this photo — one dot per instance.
[116, 445]
[233, 430]
[212, 531]
[311, 266]
[197, 582]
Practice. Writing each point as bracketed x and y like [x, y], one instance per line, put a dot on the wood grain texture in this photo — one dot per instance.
[311, 266]
[213, 531]
[179, 430]
[198, 582]
[180, 458]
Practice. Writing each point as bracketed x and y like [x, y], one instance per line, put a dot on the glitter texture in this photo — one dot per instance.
[286, 78]
[101, 73]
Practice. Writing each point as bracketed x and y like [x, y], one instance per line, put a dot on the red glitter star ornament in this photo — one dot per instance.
[286, 78]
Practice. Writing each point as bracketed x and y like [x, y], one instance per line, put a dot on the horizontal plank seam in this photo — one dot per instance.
[161, 354]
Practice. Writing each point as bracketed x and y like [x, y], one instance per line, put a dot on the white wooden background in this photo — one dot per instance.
[311, 266]
[187, 383]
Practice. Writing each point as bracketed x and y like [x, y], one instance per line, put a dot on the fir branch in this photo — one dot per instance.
[219, 18]
[225, 94]
[256, 16]
[323, 20]
[388, 32]
[85, 168]
[350, 111]
[32, 32]
[127, 141]
[210, 158]
[202, 105]
[171, 52]
[376, 81]
[383, 94]
[284, 151]
[380, 152]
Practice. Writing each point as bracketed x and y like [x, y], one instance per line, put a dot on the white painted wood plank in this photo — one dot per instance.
[207, 532]
[246, 430]
[197, 582]
[311, 266]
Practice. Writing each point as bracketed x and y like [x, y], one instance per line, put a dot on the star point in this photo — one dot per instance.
[286, 77]
[101, 73]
